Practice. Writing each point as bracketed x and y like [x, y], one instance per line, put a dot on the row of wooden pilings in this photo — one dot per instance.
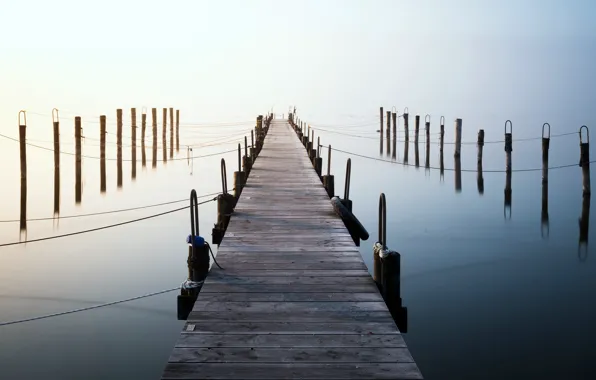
[79, 136]
[387, 263]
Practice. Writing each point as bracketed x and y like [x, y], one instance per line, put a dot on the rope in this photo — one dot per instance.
[213, 256]
[105, 212]
[86, 308]
[103, 227]
[452, 169]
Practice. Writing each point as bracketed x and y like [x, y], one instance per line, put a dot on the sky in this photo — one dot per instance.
[335, 60]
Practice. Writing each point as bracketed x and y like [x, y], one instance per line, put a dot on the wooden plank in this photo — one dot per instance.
[238, 271]
[256, 265]
[291, 371]
[287, 306]
[290, 340]
[236, 248]
[217, 278]
[284, 355]
[300, 316]
[295, 328]
[347, 287]
[288, 297]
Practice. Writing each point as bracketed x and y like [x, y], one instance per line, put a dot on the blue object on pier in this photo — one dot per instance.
[199, 240]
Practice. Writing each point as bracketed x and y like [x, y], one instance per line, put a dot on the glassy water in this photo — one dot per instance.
[491, 293]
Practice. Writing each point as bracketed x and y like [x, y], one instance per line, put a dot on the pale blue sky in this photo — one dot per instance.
[225, 60]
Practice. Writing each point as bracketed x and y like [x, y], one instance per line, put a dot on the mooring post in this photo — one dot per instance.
[312, 154]
[381, 130]
[346, 199]
[225, 207]
[416, 154]
[238, 176]
[319, 159]
[407, 124]
[246, 160]
[133, 138]
[584, 160]
[441, 166]
[427, 126]
[23, 158]
[508, 145]
[252, 147]
[584, 228]
[458, 123]
[143, 130]
[545, 148]
[406, 151]
[154, 127]
[56, 125]
[442, 134]
[544, 223]
[480, 178]
[416, 129]
[177, 130]
[78, 160]
[457, 174]
[328, 180]
[164, 121]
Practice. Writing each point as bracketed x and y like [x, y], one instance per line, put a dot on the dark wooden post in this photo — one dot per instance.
[328, 180]
[442, 134]
[252, 147]
[584, 160]
[78, 161]
[312, 154]
[508, 193]
[239, 178]
[394, 117]
[171, 132]
[458, 126]
[56, 125]
[177, 130]
[544, 223]
[154, 128]
[406, 151]
[133, 138]
[480, 177]
[246, 160]
[457, 174]
[381, 130]
[119, 147]
[416, 129]
[545, 148]
[23, 159]
[407, 123]
[508, 145]
[143, 129]
[164, 120]
[102, 153]
[416, 154]
[584, 228]
[388, 131]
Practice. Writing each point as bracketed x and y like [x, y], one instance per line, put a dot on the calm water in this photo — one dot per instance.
[488, 296]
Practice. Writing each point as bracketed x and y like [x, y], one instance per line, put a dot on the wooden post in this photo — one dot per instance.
[381, 130]
[78, 161]
[442, 134]
[584, 160]
[545, 148]
[177, 130]
[457, 174]
[388, 131]
[102, 153]
[239, 180]
[143, 128]
[164, 120]
[584, 228]
[508, 193]
[171, 132]
[441, 166]
[56, 124]
[246, 160]
[23, 159]
[416, 129]
[319, 159]
[394, 117]
[312, 154]
[427, 126]
[544, 223]
[154, 127]
[119, 147]
[508, 145]
[377, 268]
[427, 160]
[480, 177]
[407, 123]
[328, 180]
[416, 154]
[406, 151]
[133, 133]
[458, 125]
[252, 146]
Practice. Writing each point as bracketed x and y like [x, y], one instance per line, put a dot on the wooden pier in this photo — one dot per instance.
[294, 299]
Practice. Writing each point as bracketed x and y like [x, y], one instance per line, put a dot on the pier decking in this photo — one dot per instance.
[295, 299]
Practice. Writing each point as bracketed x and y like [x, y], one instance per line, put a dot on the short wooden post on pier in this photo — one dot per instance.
[225, 207]
[584, 159]
[239, 178]
[508, 145]
[458, 126]
[56, 125]
[164, 119]
[143, 130]
[312, 153]
[119, 147]
[545, 148]
[78, 161]
[328, 180]
[252, 146]
[246, 160]
[154, 128]
[133, 139]
[102, 153]
[347, 202]
[319, 159]
[23, 160]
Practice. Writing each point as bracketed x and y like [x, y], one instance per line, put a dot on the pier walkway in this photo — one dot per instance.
[294, 299]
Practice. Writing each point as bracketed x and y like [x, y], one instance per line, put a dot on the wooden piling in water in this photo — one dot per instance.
[78, 161]
[394, 118]
[23, 162]
[252, 147]
[584, 228]
[416, 129]
[584, 160]
[133, 139]
[119, 147]
[56, 125]
[406, 151]
[177, 130]
[102, 153]
[508, 145]
[407, 124]
[164, 120]
[545, 148]
[442, 134]
[143, 128]
[154, 128]
[508, 194]
[480, 177]
[171, 132]
[458, 126]
[544, 222]
[457, 167]
[239, 176]
[416, 154]
[381, 130]
[388, 132]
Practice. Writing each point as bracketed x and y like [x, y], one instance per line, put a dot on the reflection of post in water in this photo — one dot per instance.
[416, 155]
[381, 130]
[78, 179]
[394, 152]
[56, 124]
[133, 131]
[544, 223]
[480, 178]
[143, 128]
[164, 119]
[154, 127]
[457, 165]
[171, 133]
[102, 153]
[427, 158]
[23, 157]
[584, 224]
[388, 132]
[119, 147]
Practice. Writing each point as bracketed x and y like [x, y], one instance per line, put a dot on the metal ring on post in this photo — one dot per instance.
[224, 177]
[348, 179]
[442, 120]
[510, 126]
[24, 113]
[382, 221]
[427, 118]
[580, 134]
[55, 116]
[544, 125]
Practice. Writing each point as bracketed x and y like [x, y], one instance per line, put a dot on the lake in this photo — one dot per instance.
[491, 292]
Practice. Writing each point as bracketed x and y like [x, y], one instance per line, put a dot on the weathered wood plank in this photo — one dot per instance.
[256, 265]
[299, 316]
[236, 248]
[347, 287]
[288, 306]
[294, 328]
[291, 371]
[217, 278]
[288, 297]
